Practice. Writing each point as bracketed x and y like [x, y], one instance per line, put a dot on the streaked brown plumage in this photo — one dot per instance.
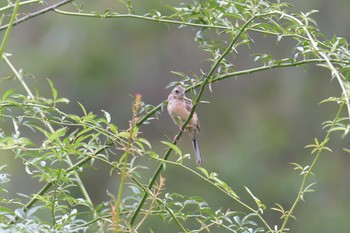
[179, 108]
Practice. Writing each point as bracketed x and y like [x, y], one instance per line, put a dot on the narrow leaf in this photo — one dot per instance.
[53, 89]
[173, 147]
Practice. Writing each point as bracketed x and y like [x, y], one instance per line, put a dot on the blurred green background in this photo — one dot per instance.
[253, 128]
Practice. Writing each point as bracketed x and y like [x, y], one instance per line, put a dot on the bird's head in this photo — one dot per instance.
[178, 92]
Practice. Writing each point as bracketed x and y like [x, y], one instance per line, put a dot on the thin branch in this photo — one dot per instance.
[148, 18]
[206, 179]
[333, 70]
[37, 13]
[156, 174]
[8, 31]
[203, 85]
[269, 67]
[309, 171]
[239, 73]
[48, 185]
[131, 176]
[21, 4]
[49, 126]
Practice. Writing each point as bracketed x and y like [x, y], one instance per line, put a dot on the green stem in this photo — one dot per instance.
[148, 18]
[309, 171]
[154, 177]
[120, 192]
[48, 185]
[9, 28]
[269, 67]
[145, 189]
[21, 4]
[122, 180]
[235, 198]
[238, 73]
[179, 22]
[334, 71]
[51, 129]
[211, 72]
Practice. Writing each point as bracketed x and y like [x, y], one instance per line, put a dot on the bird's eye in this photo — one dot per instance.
[177, 92]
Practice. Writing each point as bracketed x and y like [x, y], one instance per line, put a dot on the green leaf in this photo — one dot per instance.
[144, 141]
[25, 142]
[82, 108]
[173, 147]
[204, 171]
[20, 213]
[152, 154]
[107, 116]
[279, 209]
[297, 166]
[63, 100]
[76, 118]
[57, 134]
[53, 89]
[7, 94]
[346, 150]
[307, 190]
[260, 205]
[113, 128]
[26, 168]
[124, 134]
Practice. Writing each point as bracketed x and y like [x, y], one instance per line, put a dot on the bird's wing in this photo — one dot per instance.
[189, 104]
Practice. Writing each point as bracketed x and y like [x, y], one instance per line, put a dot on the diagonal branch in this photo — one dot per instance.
[37, 13]
[203, 85]
[310, 169]
[323, 55]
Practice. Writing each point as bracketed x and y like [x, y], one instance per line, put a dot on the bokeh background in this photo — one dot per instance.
[253, 128]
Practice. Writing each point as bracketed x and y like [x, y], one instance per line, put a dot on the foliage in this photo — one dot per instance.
[66, 144]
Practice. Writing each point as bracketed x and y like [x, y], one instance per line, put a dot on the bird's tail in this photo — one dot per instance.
[199, 159]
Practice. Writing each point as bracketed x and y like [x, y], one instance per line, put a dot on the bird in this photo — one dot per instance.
[179, 108]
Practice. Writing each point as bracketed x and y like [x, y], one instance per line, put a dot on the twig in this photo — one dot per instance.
[309, 171]
[37, 13]
[333, 70]
[144, 17]
[21, 4]
[8, 31]
[206, 81]
[238, 73]
[49, 126]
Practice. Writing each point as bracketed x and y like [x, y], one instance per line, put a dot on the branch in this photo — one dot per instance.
[203, 85]
[309, 171]
[238, 73]
[21, 4]
[32, 15]
[144, 17]
[323, 55]
[51, 129]
[8, 31]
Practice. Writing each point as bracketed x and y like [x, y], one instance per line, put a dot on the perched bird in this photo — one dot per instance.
[179, 108]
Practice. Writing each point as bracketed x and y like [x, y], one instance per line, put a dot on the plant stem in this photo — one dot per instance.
[51, 129]
[135, 108]
[203, 84]
[145, 189]
[309, 171]
[122, 182]
[9, 29]
[21, 4]
[37, 13]
[148, 18]
[324, 55]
